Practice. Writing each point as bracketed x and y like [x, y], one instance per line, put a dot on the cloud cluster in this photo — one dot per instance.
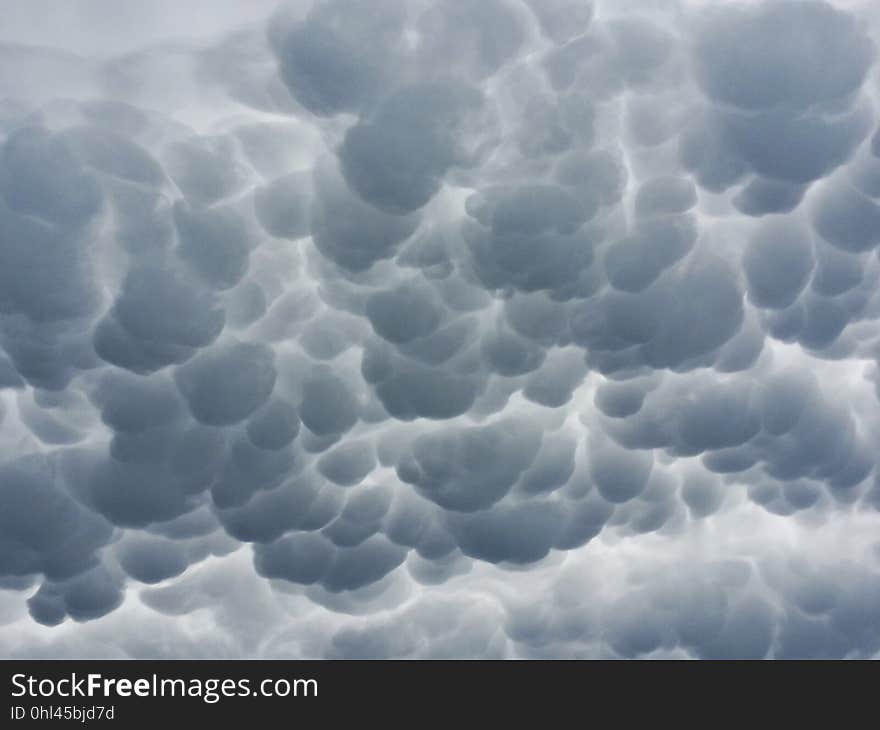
[433, 328]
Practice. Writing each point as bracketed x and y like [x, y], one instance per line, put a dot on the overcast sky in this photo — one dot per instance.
[439, 328]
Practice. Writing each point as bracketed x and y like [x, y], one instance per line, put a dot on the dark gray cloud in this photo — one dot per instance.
[433, 328]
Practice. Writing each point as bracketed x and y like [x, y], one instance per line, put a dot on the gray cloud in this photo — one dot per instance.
[431, 328]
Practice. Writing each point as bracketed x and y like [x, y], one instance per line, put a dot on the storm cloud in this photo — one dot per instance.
[438, 328]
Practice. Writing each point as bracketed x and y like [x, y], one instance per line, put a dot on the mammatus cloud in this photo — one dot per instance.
[433, 328]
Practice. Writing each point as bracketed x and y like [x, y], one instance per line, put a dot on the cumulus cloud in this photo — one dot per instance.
[433, 328]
